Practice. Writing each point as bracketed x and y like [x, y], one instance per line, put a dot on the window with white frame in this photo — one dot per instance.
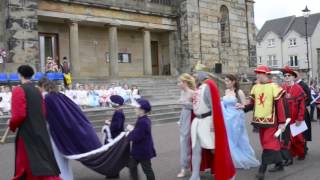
[272, 61]
[259, 60]
[271, 42]
[292, 42]
[293, 61]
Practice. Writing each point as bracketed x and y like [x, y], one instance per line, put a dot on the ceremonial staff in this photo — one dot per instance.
[5, 135]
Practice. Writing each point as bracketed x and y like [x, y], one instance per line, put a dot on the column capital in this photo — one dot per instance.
[145, 29]
[72, 21]
[250, 1]
[112, 24]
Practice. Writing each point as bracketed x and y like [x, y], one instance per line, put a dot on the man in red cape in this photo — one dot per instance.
[208, 133]
[295, 99]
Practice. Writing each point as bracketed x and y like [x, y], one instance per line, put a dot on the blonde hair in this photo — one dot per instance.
[187, 78]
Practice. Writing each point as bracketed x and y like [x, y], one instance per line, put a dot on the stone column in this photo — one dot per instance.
[113, 52]
[147, 63]
[74, 48]
[173, 54]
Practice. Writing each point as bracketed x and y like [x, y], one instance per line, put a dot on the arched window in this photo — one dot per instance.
[224, 24]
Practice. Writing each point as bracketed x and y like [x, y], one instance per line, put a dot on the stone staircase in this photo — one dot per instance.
[161, 91]
[155, 88]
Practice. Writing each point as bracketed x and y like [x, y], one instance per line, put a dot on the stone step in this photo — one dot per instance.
[160, 96]
[108, 114]
[154, 122]
[157, 90]
[126, 109]
[137, 83]
[132, 117]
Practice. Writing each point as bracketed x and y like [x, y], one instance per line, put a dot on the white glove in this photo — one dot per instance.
[129, 127]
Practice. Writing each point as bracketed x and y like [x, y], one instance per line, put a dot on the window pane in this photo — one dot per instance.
[48, 47]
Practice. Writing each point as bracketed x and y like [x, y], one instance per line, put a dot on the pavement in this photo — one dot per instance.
[166, 164]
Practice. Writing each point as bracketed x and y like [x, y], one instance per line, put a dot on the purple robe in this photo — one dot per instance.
[117, 123]
[75, 137]
[69, 127]
[142, 142]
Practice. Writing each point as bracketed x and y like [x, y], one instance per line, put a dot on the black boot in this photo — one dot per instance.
[277, 167]
[259, 176]
[261, 172]
[288, 162]
[114, 176]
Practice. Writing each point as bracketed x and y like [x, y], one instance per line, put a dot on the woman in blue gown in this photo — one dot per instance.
[242, 153]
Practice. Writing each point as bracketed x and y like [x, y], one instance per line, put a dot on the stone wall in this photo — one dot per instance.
[188, 29]
[142, 6]
[252, 33]
[199, 27]
[2, 23]
[22, 33]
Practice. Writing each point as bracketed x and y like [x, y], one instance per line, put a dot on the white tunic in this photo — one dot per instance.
[202, 129]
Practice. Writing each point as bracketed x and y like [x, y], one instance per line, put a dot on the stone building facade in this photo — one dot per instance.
[102, 38]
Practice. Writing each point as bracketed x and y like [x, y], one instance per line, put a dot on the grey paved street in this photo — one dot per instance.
[166, 165]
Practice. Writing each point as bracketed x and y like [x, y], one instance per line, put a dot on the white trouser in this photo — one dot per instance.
[196, 161]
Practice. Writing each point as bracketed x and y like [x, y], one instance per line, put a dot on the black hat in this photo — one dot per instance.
[25, 71]
[144, 104]
[117, 100]
[288, 70]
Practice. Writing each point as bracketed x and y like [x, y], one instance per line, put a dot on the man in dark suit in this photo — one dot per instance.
[308, 133]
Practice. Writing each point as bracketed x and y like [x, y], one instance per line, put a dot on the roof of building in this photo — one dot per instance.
[283, 25]
[299, 24]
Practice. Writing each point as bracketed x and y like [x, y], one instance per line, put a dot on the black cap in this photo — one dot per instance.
[25, 71]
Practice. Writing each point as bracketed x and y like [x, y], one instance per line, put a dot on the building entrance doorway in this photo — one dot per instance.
[48, 44]
[155, 58]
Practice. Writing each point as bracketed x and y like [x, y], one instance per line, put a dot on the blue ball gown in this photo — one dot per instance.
[242, 153]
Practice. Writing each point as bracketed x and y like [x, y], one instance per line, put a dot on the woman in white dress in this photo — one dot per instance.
[187, 85]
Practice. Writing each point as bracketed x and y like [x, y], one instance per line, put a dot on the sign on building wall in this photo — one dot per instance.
[122, 57]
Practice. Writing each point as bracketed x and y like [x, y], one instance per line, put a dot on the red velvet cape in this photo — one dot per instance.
[222, 163]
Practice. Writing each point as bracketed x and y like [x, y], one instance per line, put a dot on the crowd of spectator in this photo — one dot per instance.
[90, 95]
[84, 95]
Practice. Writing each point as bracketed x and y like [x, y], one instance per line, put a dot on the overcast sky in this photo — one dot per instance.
[271, 9]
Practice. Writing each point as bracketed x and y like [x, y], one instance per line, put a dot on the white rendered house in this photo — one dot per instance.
[282, 42]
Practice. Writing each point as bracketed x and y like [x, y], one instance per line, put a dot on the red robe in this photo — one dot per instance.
[221, 163]
[19, 114]
[295, 98]
[267, 139]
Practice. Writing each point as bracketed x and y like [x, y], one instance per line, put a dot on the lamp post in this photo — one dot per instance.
[306, 13]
